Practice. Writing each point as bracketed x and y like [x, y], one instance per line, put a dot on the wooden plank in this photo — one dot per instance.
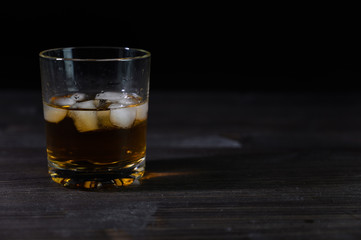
[279, 167]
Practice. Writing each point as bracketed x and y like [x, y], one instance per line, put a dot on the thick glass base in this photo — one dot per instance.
[97, 180]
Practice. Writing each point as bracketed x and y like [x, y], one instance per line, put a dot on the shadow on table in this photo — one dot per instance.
[237, 171]
[192, 173]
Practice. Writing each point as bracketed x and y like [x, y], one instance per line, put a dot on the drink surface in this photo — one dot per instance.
[96, 132]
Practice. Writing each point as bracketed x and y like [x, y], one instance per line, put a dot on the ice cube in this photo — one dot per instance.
[63, 101]
[116, 105]
[142, 112]
[84, 120]
[104, 119]
[125, 99]
[102, 104]
[122, 117]
[84, 105]
[111, 96]
[53, 114]
[78, 97]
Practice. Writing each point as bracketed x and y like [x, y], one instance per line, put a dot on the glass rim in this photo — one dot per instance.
[146, 54]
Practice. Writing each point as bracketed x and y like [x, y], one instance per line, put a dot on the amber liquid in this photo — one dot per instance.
[98, 150]
[93, 148]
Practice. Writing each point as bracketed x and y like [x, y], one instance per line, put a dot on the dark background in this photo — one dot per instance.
[217, 46]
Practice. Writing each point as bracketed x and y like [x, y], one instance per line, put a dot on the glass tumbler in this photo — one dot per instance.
[95, 108]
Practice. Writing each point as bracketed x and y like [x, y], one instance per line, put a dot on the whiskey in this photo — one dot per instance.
[91, 136]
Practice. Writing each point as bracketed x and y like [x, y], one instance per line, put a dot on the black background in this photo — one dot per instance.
[217, 46]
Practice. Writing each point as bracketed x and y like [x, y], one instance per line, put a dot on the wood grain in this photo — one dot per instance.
[220, 165]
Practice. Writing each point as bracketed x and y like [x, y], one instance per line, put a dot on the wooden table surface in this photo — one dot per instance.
[220, 165]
